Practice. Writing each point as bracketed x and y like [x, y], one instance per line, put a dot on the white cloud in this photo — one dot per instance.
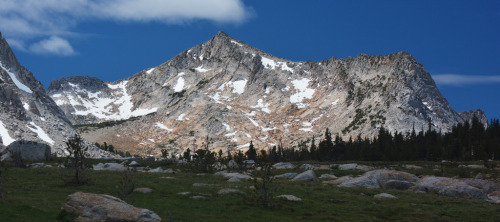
[454, 79]
[26, 20]
[53, 45]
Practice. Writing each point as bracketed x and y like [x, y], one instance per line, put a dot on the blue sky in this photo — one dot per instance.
[458, 42]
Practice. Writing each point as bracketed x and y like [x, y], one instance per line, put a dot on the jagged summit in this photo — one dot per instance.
[235, 93]
[90, 83]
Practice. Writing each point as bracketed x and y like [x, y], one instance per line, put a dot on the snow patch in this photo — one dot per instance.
[237, 43]
[181, 117]
[263, 106]
[271, 64]
[4, 133]
[306, 129]
[101, 107]
[180, 85]
[303, 92]
[427, 105]
[243, 146]
[200, 69]
[227, 126]
[16, 81]
[335, 102]
[41, 134]
[253, 121]
[268, 129]
[161, 126]
[150, 71]
[26, 106]
[152, 140]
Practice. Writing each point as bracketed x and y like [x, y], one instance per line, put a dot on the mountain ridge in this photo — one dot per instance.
[26, 111]
[235, 93]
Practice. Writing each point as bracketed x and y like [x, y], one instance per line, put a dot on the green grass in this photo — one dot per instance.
[38, 194]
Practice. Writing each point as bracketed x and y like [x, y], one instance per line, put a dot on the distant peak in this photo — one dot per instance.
[221, 34]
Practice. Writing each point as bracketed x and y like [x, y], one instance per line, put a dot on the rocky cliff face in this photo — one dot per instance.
[469, 115]
[26, 111]
[234, 93]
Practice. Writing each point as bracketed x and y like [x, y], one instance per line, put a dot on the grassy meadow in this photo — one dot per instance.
[38, 194]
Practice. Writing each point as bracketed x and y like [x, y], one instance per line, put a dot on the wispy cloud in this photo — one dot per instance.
[454, 79]
[53, 45]
[25, 21]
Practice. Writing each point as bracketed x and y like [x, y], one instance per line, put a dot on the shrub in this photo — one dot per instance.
[77, 160]
[127, 184]
[264, 186]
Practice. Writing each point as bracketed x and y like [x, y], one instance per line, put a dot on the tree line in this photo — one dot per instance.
[465, 142]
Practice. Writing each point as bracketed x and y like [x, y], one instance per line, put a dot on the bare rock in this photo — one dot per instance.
[306, 176]
[288, 197]
[412, 167]
[307, 167]
[143, 190]
[349, 166]
[384, 196]
[229, 191]
[28, 150]
[283, 165]
[286, 176]
[100, 207]
[449, 187]
[234, 180]
[494, 197]
[233, 175]
[327, 176]
[198, 197]
[110, 167]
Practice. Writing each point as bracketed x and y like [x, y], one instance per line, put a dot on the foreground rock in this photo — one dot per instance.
[100, 207]
[349, 166]
[327, 176]
[384, 196]
[289, 198]
[494, 197]
[307, 167]
[229, 191]
[450, 187]
[306, 176]
[286, 176]
[282, 165]
[381, 179]
[109, 166]
[233, 175]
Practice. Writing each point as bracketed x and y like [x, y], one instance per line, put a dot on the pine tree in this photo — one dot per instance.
[251, 152]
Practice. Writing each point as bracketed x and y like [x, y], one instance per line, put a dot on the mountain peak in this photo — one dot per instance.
[221, 34]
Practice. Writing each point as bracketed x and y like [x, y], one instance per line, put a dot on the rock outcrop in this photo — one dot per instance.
[234, 93]
[27, 150]
[100, 207]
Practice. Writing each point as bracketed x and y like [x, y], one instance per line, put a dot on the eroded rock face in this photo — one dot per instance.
[234, 93]
[100, 207]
